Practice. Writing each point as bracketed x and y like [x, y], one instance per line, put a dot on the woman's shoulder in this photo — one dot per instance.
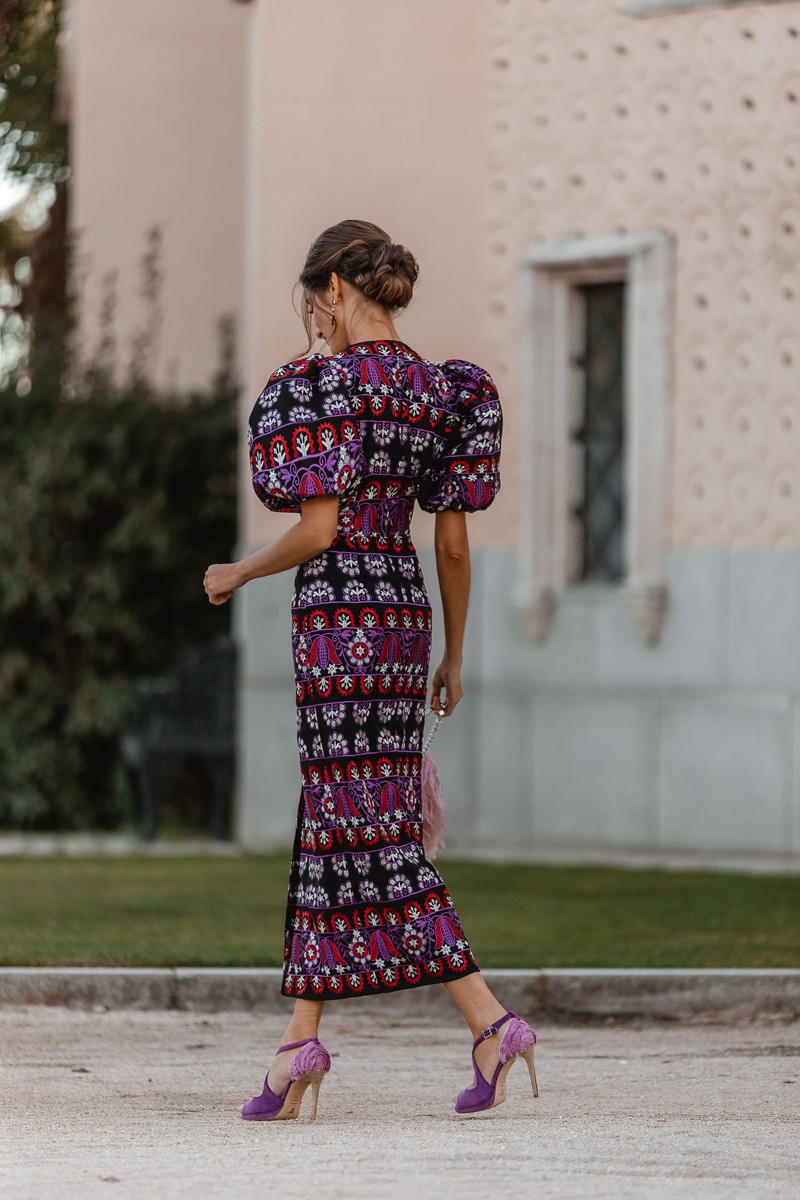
[466, 375]
[308, 366]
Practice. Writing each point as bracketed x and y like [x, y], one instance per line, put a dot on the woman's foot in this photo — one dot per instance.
[493, 1053]
[278, 1076]
[302, 1063]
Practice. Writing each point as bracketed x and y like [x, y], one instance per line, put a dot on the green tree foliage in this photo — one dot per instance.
[33, 138]
[113, 500]
[34, 148]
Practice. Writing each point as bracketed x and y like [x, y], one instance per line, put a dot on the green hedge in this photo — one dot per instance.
[112, 503]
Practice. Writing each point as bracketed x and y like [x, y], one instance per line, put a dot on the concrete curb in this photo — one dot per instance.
[557, 994]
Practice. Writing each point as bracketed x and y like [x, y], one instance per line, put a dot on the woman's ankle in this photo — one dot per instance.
[299, 1035]
[488, 1016]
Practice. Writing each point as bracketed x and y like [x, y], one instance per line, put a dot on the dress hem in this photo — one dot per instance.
[448, 976]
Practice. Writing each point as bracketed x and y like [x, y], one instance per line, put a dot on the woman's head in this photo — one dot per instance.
[358, 263]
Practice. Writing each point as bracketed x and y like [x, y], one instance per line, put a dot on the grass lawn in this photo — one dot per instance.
[229, 912]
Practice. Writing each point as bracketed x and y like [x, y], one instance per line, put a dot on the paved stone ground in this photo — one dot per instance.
[145, 1104]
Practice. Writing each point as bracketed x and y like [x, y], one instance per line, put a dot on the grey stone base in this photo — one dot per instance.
[689, 747]
[556, 994]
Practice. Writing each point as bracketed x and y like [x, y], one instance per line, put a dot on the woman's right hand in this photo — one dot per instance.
[447, 678]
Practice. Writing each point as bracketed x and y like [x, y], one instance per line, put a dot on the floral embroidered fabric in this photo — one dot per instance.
[382, 429]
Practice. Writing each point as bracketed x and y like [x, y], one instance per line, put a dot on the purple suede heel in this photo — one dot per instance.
[309, 1066]
[518, 1042]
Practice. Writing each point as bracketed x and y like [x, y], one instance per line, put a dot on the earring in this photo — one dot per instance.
[333, 315]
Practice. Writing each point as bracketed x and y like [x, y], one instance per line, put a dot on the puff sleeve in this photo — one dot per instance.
[466, 475]
[304, 439]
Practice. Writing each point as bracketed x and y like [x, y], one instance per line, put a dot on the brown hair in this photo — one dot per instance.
[364, 255]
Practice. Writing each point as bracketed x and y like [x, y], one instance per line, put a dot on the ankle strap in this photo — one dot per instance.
[490, 1030]
[296, 1045]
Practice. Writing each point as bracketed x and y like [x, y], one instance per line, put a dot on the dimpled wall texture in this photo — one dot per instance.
[689, 122]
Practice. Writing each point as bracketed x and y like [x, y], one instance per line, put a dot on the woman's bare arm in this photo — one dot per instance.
[451, 545]
[308, 537]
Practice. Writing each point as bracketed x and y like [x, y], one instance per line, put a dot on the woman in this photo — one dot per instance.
[351, 442]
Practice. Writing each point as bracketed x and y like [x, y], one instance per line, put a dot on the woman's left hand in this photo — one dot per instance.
[220, 582]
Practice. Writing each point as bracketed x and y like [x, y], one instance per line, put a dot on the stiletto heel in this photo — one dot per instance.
[316, 1083]
[528, 1056]
[309, 1066]
[518, 1042]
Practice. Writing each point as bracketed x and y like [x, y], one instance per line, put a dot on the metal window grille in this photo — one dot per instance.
[599, 438]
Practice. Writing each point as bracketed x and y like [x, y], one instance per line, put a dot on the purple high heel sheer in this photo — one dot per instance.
[518, 1042]
[309, 1066]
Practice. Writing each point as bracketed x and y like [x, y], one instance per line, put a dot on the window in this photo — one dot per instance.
[598, 518]
[596, 425]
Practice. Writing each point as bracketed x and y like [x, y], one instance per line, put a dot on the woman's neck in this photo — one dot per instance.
[370, 330]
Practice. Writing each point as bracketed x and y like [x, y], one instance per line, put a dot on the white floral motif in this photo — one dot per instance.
[386, 592]
[299, 414]
[383, 432]
[348, 564]
[361, 743]
[375, 564]
[487, 414]
[299, 389]
[336, 405]
[398, 887]
[268, 422]
[339, 864]
[369, 890]
[330, 379]
[361, 862]
[315, 566]
[334, 714]
[483, 443]
[317, 593]
[315, 867]
[391, 858]
[337, 745]
[317, 897]
[355, 592]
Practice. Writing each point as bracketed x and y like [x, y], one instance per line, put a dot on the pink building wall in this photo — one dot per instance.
[687, 122]
[156, 103]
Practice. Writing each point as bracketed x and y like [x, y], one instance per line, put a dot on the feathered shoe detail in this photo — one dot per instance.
[309, 1066]
[518, 1042]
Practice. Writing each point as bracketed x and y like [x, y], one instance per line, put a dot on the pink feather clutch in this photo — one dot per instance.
[433, 815]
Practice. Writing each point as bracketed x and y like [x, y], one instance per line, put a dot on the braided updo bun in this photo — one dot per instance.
[364, 255]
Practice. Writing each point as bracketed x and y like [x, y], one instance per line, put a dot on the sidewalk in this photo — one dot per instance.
[144, 1106]
[568, 994]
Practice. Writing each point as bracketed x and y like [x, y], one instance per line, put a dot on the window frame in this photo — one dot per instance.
[646, 8]
[551, 272]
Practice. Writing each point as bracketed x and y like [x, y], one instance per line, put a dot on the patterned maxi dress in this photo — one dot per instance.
[382, 428]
